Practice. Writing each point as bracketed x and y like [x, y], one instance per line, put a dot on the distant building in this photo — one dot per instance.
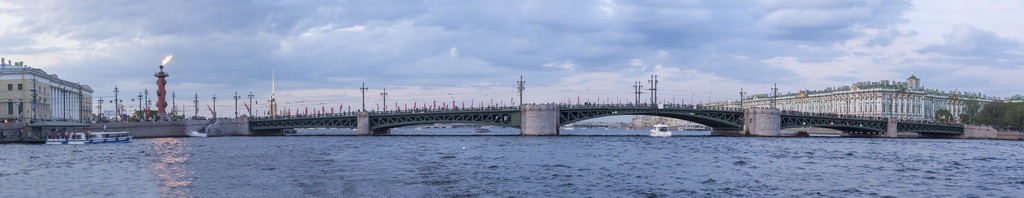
[905, 100]
[55, 99]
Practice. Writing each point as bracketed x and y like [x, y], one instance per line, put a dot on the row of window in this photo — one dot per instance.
[10, 87]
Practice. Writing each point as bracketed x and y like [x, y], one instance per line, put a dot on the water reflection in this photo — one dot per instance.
[171, 169]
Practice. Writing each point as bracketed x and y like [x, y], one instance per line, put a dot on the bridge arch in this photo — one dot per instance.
[492, 118]
[710, 118]
[842, 124]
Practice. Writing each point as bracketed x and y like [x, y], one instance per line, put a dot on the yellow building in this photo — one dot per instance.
[28, 93]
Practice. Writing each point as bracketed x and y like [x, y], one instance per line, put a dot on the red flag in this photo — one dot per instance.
[306, 111]
[332, 110]
[323, 109]
[378, 107]
[577, 100]
[434, 106]
[453, 104]
[246, 107]
[463, 104]
[414, 105]
[349, 108]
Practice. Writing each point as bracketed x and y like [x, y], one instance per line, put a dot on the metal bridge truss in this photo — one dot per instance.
[312, 122]
[934, 129]
[842, 124]
[506, 118]
[707, 117]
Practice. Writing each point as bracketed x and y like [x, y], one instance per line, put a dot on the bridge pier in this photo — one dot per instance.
[539, 119]
[363, 125]
[761, 122]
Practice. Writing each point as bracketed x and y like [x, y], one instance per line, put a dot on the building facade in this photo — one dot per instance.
[31, 94]
[882, 99]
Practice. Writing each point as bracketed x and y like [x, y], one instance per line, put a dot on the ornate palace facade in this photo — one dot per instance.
[904, 100]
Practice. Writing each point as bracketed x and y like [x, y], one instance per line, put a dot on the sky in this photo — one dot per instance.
[320, 52]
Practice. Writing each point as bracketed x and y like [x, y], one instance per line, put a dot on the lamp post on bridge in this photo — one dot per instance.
[214, 107]
[741, 98]
[775, 93]
[654, 90]
[363, 90]
[521, 87]
[236, 104]
[250, 104]
[384, 94]
[636, 92]
[196, 104]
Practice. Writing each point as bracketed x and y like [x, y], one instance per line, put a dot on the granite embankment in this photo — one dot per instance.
[213, 128]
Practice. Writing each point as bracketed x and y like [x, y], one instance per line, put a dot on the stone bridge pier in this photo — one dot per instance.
[539, 119]
[756, 122]
[363, 125]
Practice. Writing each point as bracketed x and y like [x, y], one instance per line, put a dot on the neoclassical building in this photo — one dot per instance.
[54, 98]
[904, 100]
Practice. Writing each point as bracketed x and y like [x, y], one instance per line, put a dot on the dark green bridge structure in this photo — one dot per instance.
[546, 119]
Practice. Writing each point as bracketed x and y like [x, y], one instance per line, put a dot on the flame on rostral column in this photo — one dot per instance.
[168, 59]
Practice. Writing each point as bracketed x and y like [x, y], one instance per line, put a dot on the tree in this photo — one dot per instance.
[970, 113]
[1013, 116]
[992, 113]
[943, 114]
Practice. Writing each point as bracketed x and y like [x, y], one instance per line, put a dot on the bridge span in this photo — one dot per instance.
[546, 119]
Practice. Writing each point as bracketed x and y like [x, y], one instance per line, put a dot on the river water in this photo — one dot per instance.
[459, 163]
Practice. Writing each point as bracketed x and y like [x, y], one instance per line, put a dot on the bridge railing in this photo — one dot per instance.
[388, 112]
[645, 106]
[878, 118]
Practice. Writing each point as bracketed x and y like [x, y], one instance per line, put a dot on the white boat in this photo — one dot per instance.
[195, 134]
[660, 130]
[90, 138]
[569, 127]
[480, 130]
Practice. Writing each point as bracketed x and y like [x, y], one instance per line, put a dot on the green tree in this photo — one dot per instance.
[943, 114]
[970, 113]
[992, 113]
[1013, 116]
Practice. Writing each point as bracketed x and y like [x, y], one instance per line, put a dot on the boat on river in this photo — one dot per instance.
[660, 130]
[195, 134]
[89, 138]
[481, 130]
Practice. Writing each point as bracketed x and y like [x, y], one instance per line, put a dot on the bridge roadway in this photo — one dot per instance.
[546, 119]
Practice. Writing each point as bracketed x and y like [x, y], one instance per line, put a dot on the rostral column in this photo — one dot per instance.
[161, 93]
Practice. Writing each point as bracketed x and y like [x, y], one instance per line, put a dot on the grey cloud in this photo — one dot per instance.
[966, 40]
[407, 42]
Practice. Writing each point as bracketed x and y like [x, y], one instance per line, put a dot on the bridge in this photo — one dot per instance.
[546, 119]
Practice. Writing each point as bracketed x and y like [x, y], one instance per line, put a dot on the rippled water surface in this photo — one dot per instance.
[456, 162]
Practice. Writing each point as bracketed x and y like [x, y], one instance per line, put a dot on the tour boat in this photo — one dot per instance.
[660, 130]
[481, 130]
[568, 127]
[196, 134]
[90, 138]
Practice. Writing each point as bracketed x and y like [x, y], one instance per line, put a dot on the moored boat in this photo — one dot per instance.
[89, 138]
[660, 130]
[481, 130]
[196, 134]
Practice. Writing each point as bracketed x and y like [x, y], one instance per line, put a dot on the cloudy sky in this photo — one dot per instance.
[473, 51]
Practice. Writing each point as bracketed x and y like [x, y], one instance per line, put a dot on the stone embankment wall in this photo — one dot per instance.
[145, 129]
[229, 127]
[986, 132]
